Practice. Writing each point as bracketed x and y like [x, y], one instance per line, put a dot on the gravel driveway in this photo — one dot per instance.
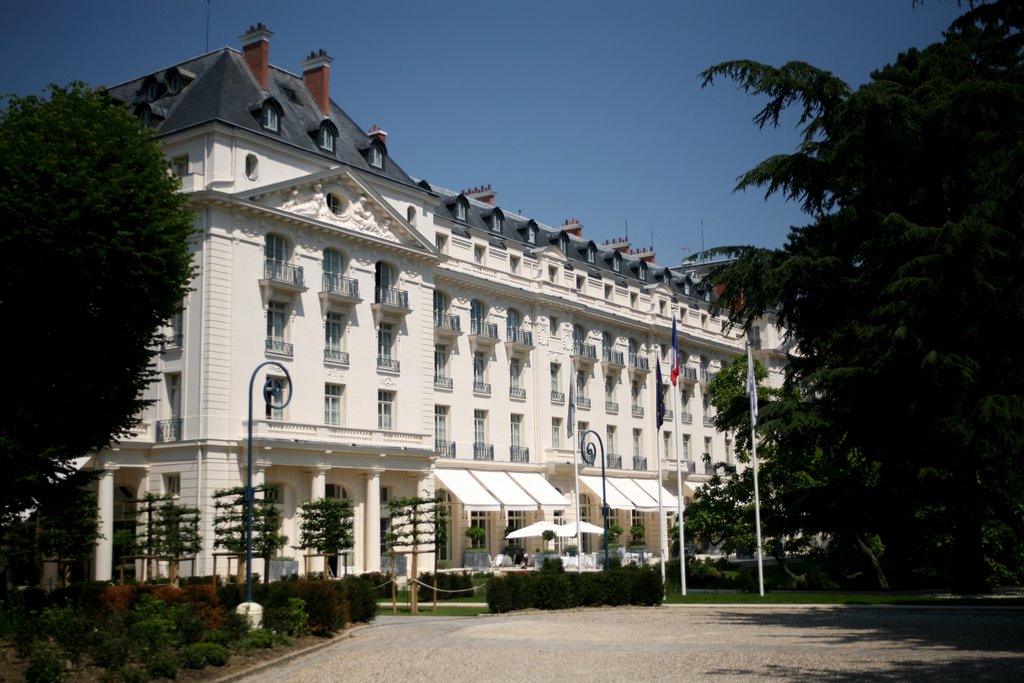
[676, 643]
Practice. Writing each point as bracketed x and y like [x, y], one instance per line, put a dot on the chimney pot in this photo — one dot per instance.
[316, 74]
[256, 51]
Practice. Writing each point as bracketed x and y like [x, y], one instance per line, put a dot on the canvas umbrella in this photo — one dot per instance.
[569, 530]
[535, 529]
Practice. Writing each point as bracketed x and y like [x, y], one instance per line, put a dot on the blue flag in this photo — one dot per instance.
[570, 425]
[660, 390]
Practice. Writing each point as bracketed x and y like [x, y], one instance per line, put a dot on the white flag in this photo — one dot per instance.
[751, 387]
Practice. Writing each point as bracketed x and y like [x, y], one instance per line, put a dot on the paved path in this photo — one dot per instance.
[676, 643]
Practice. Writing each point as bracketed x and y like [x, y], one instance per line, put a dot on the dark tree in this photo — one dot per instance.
[901, 295]
[326, 526]
[67, 526]
[97, 238]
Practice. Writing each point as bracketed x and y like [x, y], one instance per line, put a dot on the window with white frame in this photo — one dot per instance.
[385, 341]
[478, 519]
[609, 389]
[556, 383]
[460, 211]
[325, 138]
[440, 362]
[441, 243]
[480, 367]
[172, 484]
[581, 384]
[332, 404]
[273, 410]
[385, 410]
[707, 447]
[269, 117]
[666, 444]
[441, 423]
[376, 157]
[553, 324]
[516, 430]
[686, 446]
[610, 434]
[478, 254]
[638, 443]
[514, 373]
[277, 316]
[556, 432]
[513, 264]
[334, 327]
[479, 426]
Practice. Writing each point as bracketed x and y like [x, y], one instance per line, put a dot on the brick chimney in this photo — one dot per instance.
[484, 194]
[619, 244]
[378, 133]
[573, 227]
[643, 253]
[316, 74]
[256, 50]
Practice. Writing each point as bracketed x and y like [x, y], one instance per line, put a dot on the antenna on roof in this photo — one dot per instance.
[207, 26]
[702, 236]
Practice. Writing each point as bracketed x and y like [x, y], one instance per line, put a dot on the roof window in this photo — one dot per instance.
[270, 117]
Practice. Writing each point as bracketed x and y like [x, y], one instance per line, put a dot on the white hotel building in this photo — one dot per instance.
[431, 337]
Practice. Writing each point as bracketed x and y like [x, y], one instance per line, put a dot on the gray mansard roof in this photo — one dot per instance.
[220, 87]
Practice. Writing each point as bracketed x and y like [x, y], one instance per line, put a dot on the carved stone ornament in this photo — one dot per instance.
[349, 211]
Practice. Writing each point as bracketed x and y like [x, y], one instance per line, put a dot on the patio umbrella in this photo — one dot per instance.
[535, 529]
[569, 530]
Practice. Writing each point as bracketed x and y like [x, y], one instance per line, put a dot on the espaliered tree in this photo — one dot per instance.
[414, 529]
[326, 527]
[229, 526]
[177, 535]
[110, 243]
[899, 294]
[67, 522]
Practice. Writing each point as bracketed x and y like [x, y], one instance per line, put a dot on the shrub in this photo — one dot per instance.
[817, 579]
[199, 655]
[161, 664]
[45, 664]
[290, 618]
[551, 587]
[361, 599]
[381, 584]
[67, 625]
[322, 606]
[648, 588]
[258, 639]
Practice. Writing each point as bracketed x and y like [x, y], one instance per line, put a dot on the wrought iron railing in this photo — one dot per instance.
[583, 402]
[639, 462]
[336, 355]
[557, 396]
[637, 410]
[518, 454]
[481, 329]
[685, 417]
[516, 392]
[520, 337]
[638, 362]
[339, 284]
[388, 363]
[481, 387]
[280, 346]
[442, 382]
[612, 357]
[168, 430]
[483, 451]
[279, 271]
[611, 407]
[389, 296]
[444, 449]
[585, 351]
[614, 461]
[447, 321]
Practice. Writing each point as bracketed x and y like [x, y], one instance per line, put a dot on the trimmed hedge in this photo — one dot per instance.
[553, 588]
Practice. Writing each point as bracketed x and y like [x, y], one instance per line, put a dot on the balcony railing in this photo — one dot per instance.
[685, 417]
[611, 407]
[172, 342]
[638, 411]
[388, 363]
[341, 285]
[691, 466]
[168, 430]
[638, 362]
[707, 376]
[280, 346]
[583, 402]
[389, 296]
[668, 415]
[688, 374]
[279, 271]
[518, 454]
[481, 387]
[479, 328]
[585, 351]
[557, 396]
[709, 421]
[639, 462]
[483, 451]
[517, 392]
[709, 468]
[336, 355]
[442, 382]
[613, 357]
[444, 449]
[447, 321]
[519, 337]
[614, 461]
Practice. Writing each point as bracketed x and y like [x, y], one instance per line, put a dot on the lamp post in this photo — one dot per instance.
[588, 452]
[272, 390]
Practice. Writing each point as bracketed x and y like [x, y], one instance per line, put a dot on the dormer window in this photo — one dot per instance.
[152, 91]
[641, 270]
[617, 263]
[591, 253]
[174, 84]
[270, 118]
[563, 243]
[375, 156]
[460, 209]
[686, 287]
[496, 221]
[325, 138]
[531, 234]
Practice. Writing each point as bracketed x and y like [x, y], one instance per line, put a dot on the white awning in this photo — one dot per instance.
[615, 498]
[690, 488]
[651, 486]
[543, 492]
[501, 486]
[468, 490]
[632, 490]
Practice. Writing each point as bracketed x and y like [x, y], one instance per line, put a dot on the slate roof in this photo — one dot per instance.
[225, 90]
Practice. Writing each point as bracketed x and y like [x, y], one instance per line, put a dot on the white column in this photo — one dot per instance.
[317, 491]
[371, 522]
[105, 543]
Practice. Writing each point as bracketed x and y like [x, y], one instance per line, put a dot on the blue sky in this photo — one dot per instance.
[567, 108]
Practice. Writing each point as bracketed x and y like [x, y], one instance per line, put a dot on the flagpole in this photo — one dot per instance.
[752, 390]
[571, 427]
[679, 495]
[661, 509]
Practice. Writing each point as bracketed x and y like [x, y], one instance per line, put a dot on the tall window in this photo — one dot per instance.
[385, 341]
[477, 316]
[514, 372]
[383, 276]
[556, 432]
[385, 409]
[667, 444]
[333, 266]
[440, 307]
[376, 157]
[269, 117]
[609, 390]
[333, 327]
[553, 324]
[581, 384]
[479, 519]
[332, 404]
[173, 382]
[479, 367]
[479, 426]
[638, 442]
[272, 411]
[275, 251]
[686, 446]
[276, 324]
[513, 320]
[707, 446]
[556, 384]
[516, 430]
[440, 362]
[441, 423]
[609, 437]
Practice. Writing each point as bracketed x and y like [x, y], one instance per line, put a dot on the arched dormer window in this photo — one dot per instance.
[460, 209]
[686, 286]
[177, 79]
[375, 154]
[270, 116]
[617, 262]
[531, 233]
[496, 220]
[563, 243]
[149, 114]
[641, 270]
[591, 253]
[325, 136]
[151, 89]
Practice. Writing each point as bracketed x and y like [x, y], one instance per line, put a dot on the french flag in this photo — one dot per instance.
[675, 353]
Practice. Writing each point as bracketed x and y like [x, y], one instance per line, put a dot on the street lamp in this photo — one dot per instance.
[272, 390]
[588, 452]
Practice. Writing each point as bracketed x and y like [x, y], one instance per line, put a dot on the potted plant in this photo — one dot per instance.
[476, 556]
[614, 532]
[636, 542]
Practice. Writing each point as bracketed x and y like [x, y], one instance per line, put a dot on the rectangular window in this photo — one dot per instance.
[479, 519]
[172, 484]
[581, 384]
[556, 432]
[180, 165]
[272, 411]
[332, 404]
[638, 442]
[728, 450]
[480, 367]
[441, 242]
[686, 446]
[385, 410]
[556, 370]
[580, 281]
[667, 444]
[609, 389]
[441, 423]
[609, 437]
[479, 426]
[514, 372]
[516, 430]
[385, 341]
[552, 274]
[553, 326]
[440, 362]
[276, 322]
[513, 264]
[332, 337]
[478, 255]
[173, 382]
[707, 447]
[608, 292]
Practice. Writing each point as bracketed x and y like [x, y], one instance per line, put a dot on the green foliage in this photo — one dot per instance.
[229, 522]
[326, 525]
[45, 665]
[112, 237]
[67, 522]
[415, 522]
[553, 588]
[258, 639]
[161, 664]
[898, 295]
[361, 599]
[200, 655]
[614, 532]
[476, 535]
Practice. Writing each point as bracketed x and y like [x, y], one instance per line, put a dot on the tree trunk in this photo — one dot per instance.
[879, 574]
[172, 572]
[797, 579]
[413, 587]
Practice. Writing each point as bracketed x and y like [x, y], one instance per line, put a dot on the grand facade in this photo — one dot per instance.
[433, 340]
